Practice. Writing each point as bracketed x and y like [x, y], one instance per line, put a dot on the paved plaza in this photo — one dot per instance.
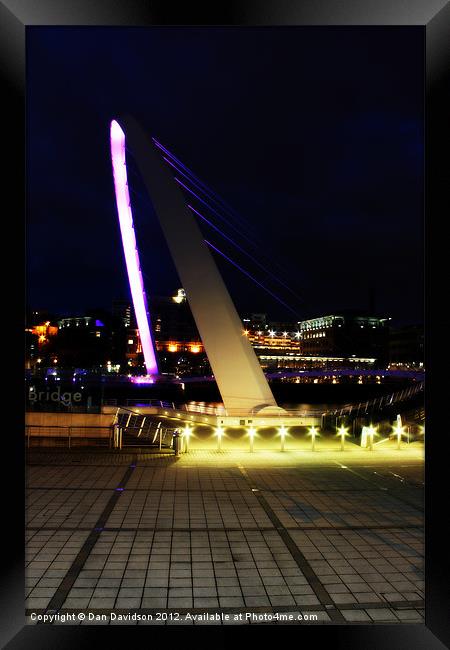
[333, 536]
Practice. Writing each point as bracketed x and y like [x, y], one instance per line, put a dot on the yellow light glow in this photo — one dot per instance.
[371, 432]
[342, 432]
[399, 430]
[283, 432]
[195, 349]
[187, 432]
[251, 435]
[180, 297]
[219, 433]
[173, 347]
[313, 432]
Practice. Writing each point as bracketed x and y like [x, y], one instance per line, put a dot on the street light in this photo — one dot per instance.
[283, 432]
[399, 430]
[371, 432]
[313, 433]
[342, 431]
[219, 434]
[186, 436]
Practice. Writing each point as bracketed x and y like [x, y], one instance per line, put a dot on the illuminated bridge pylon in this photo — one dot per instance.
[237, 371]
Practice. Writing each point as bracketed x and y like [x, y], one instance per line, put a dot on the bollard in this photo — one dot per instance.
[177, 442]
[399, 430]
[313, 433]
[251, 434]
[342, 432]
[186, 436]
[219, 438]
[371, 432]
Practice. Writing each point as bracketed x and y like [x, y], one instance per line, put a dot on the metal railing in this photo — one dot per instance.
[378, 402]
[135, 436]
[139, 402]
[69, 435]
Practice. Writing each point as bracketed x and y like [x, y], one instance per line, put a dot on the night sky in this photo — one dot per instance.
[313, 135]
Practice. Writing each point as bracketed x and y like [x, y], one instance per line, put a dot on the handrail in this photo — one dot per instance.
[392, 398]
[70, 431]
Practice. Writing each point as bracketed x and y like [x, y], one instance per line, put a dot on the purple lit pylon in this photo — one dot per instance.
[130, 247]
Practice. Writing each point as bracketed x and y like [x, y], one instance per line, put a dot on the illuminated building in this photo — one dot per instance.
[346, 335]
[123, 313]
[172, 320]
[83, 341]
[43, 332]
[39, 342]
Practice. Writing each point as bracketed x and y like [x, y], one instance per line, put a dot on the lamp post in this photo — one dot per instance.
[251, 434]
[371, 431]
[342, 432]
[313, 433]
[186, 436]
[283, 432]
[219, 434]
[399, 431]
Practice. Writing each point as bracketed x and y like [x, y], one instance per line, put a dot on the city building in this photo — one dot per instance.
[347, 335]
[406, 345]
[109, 341]
[123, 313]
[39, 339]
[178, 344]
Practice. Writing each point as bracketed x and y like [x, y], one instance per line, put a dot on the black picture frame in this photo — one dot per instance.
[434, 16]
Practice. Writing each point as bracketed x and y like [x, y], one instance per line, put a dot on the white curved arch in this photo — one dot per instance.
[130, 246]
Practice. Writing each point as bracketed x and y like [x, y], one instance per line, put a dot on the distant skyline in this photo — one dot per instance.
[313, 135]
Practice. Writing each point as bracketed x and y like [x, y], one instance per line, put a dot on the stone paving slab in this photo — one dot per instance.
[74, 477]
[188, 509]
[239, 532]
[341, 508]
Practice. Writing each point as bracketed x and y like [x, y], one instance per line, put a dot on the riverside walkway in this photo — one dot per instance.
[336, 537]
